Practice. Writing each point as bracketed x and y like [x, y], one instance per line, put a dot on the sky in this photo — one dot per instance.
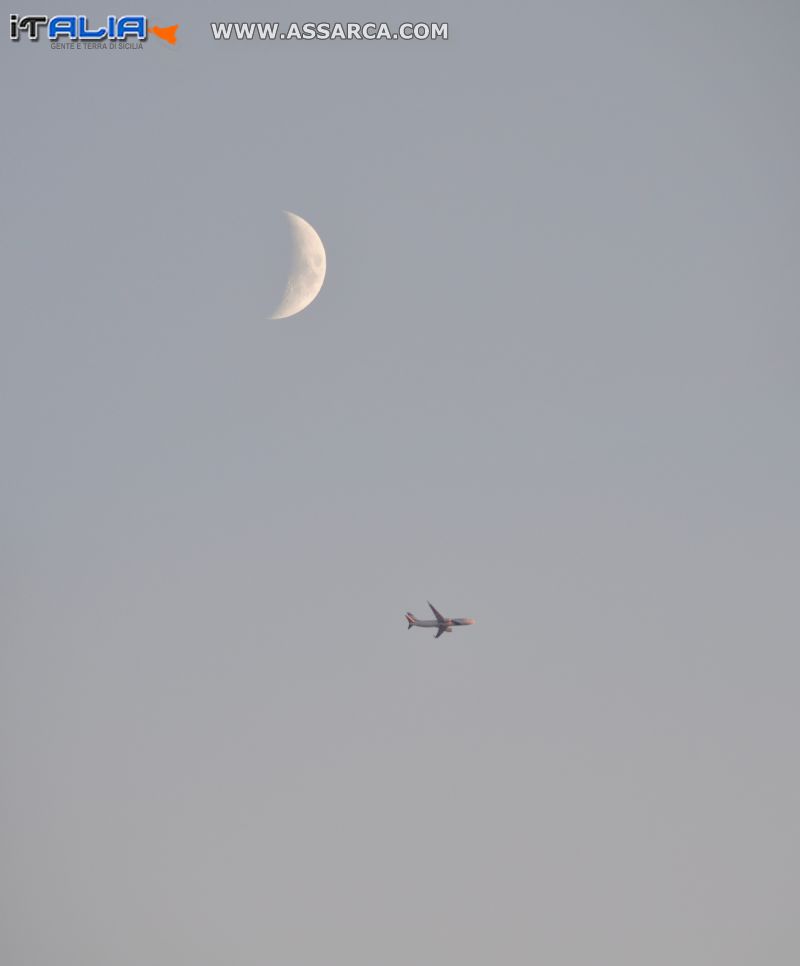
[551, 382]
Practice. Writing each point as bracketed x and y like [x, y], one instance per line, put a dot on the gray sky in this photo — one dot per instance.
[551, 382]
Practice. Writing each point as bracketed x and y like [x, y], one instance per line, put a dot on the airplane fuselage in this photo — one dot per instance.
[449, 624]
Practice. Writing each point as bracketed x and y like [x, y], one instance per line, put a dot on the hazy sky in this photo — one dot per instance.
[552, 382]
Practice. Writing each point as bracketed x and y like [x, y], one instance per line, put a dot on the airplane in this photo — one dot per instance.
[445, 624]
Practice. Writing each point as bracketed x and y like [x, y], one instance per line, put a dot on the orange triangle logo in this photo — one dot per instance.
[165, 33]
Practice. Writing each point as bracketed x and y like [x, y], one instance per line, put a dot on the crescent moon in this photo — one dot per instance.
[308, 268]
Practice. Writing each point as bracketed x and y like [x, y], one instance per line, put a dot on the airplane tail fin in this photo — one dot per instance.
[411, 619]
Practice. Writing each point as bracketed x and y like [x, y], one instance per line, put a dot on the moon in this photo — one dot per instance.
[308, 268]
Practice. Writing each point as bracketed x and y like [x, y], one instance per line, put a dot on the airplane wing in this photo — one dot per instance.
[440, 631]
[436, 613]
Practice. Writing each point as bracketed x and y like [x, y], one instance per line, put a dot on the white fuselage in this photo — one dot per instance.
[448, 624]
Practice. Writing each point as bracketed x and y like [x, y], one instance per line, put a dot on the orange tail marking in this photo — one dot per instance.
[166, 33]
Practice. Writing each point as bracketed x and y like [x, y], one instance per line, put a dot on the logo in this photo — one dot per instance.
[166, 33]
[76, 29]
